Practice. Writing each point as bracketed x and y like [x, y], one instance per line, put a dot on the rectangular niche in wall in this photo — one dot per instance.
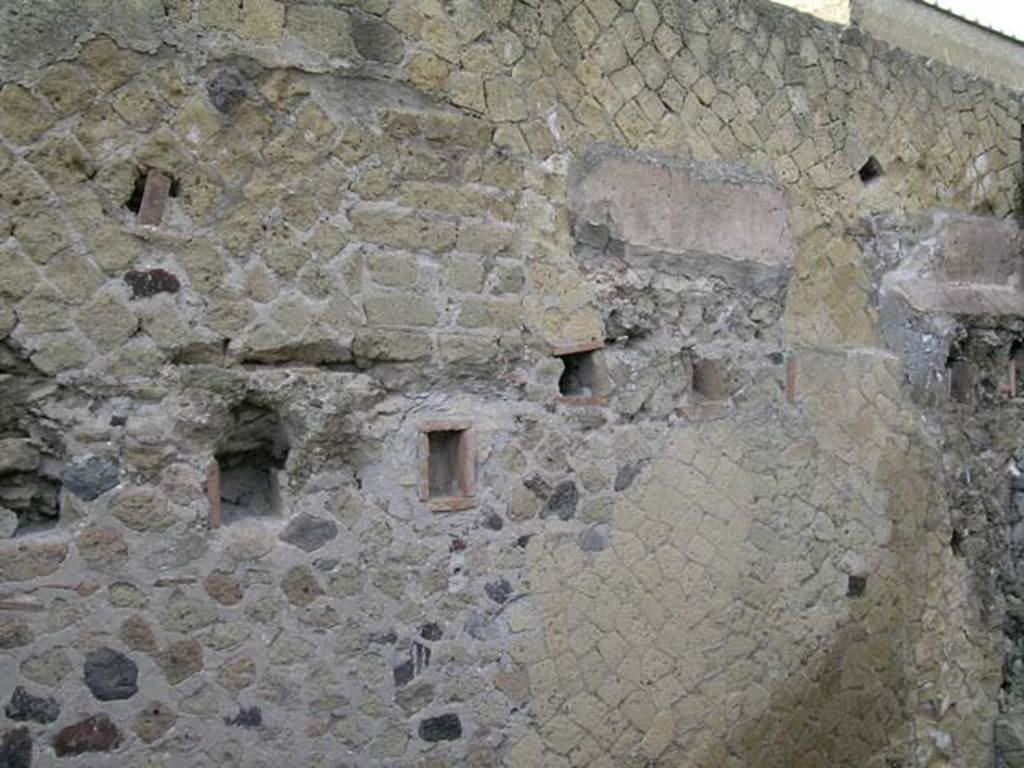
[583, 379]
[447, 465]
[244, 480]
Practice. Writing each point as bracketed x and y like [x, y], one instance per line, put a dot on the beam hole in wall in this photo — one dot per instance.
[709, 379]
[447, 465]
[582, 379]
[871, 171]
[856, 585]
[578, 375]
[250, 462]
[961, 376]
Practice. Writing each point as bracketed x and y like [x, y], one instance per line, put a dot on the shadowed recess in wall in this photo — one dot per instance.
[251, 457]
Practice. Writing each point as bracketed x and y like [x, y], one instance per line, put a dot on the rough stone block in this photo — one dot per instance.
[400, 309]
[682, 219]
[94, 734]
[407, 231]
[326, 30]
[24, 560]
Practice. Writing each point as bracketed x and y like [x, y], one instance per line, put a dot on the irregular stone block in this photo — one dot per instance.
[24, 706]
[181, 660]
[300, 585]
[376, 40]
[102, 547]
[24, 560]
[224, 588]
[153, 722]
[309, 533]
[110, 675]
[499, 590]
[15, 635]
[17, 455]
[682, 219]
[94, 734]
[16, 749]
[142, 510]
[563, 501]
[91, 478]
[149, 282]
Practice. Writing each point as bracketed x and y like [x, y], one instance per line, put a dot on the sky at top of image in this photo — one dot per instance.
[1005, 16]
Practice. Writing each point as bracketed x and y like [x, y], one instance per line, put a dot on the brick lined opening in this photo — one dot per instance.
[871, 171]
[248, 465]
[447, 465]
[709, 379]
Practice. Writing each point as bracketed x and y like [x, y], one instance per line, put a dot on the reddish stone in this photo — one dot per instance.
[154, 198]
[94, 734]
[149, 282]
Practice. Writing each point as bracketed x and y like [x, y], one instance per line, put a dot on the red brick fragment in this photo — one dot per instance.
[154, 198]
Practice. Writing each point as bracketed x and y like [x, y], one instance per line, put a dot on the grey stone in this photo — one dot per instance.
[376, 40]
[627, 474]
[16, 749]
[593, 539]
[17, 455]
[24, 706]
[226, 90]
[403, 673]
[111, 675]
[91, 478]
[499, 590]
[563, 501]
[8, 523]
[308, 532]
[431, 631]
[447, 727]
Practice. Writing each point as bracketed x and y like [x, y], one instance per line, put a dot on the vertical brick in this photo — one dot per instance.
[154, 198]
[213, 493]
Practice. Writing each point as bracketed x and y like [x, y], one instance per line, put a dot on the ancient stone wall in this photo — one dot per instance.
[505, 382]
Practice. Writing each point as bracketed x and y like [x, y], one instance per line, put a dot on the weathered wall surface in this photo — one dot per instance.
[662, 257]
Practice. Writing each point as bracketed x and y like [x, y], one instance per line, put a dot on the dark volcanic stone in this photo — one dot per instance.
[376, 40]
[403, 673]
[493, 521]
[226, 90]
[111, 675]
[562, 503]
[149, 282]
[627, 474]
[499, 590]
[441, 728]
[247, 717]
[91, 478]
[16, 749]
[94, 734]
[24, 706]
[308, 532]
[431, 631]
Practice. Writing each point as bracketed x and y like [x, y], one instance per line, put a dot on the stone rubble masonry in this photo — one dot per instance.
[761, 539]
